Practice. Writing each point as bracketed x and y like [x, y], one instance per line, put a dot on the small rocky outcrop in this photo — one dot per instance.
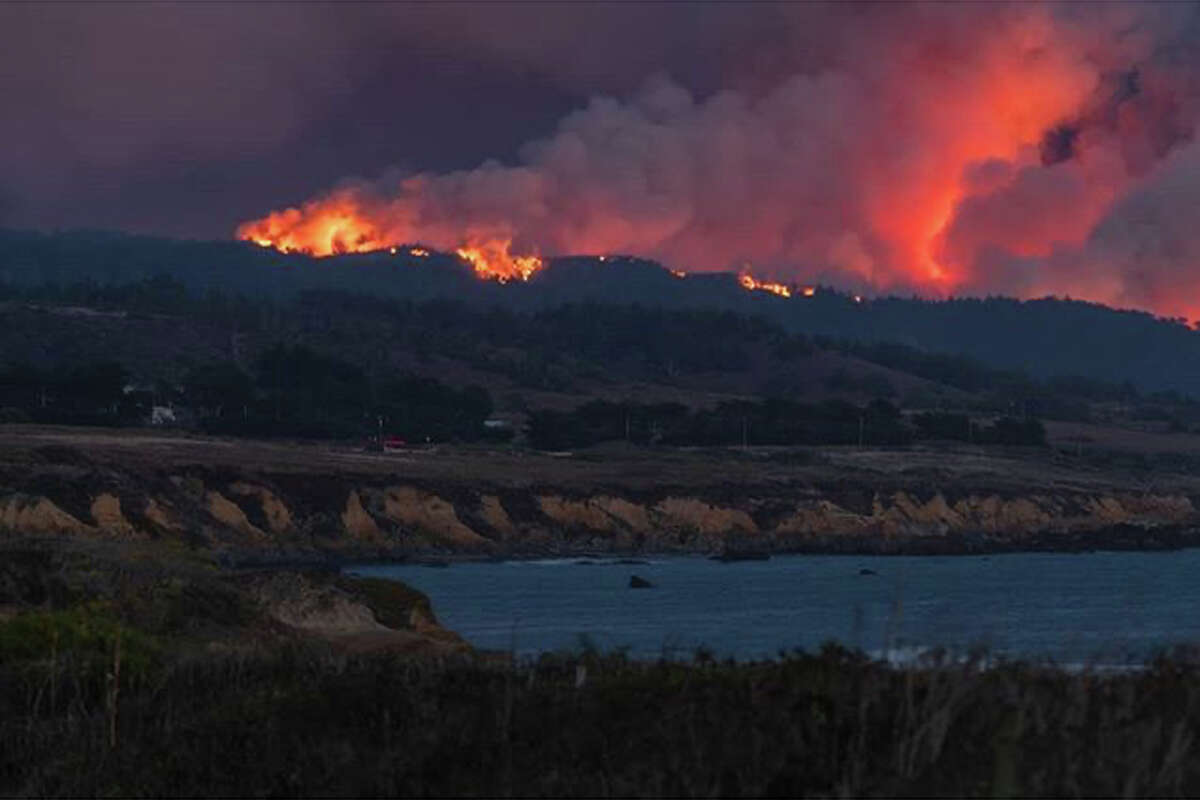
[185, 602]
[356, 614]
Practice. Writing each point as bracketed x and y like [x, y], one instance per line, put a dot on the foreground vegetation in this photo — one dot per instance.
[306, 721]
[133, 672]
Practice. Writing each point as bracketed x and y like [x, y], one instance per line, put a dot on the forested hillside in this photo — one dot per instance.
[336, 364]
[1046, 337]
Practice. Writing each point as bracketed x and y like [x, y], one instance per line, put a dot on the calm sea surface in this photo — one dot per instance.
[1096, 608]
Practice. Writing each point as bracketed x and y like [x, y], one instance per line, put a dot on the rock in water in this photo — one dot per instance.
[639, 583]
[730, 556]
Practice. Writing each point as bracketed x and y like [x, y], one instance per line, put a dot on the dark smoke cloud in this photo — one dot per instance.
[1021, 148]
[186, 118]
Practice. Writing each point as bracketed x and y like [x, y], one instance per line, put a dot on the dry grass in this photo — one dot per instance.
[127, 672]
[314, 723]
[616, 466]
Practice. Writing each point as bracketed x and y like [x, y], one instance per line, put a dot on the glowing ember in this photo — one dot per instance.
[493, 261]
[678, 273]
[809, 291]
[419, 252]
[751, 283]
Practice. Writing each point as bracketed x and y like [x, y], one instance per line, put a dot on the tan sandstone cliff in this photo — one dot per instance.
[272, 516]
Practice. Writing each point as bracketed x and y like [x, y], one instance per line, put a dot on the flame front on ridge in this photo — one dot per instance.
[337, 228]
[492, 260]
[751, 283]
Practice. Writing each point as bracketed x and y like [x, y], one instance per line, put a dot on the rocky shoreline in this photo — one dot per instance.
[1118, 538]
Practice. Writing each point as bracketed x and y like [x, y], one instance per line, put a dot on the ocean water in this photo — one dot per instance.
[1074, 609]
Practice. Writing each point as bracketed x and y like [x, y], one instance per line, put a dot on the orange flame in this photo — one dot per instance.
[751, 283]
[336, 227]
[492, 260]
[339, 229]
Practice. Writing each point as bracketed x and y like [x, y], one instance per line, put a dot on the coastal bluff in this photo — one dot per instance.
[276, 500]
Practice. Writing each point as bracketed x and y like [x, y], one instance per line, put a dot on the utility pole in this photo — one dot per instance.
[862, 425]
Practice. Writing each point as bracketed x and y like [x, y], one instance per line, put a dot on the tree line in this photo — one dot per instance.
[561, 349]
[768, 421]
[1043, 337]
[291, 391]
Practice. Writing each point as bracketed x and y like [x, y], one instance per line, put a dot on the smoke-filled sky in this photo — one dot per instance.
[943, 148]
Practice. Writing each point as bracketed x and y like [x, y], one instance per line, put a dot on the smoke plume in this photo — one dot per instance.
[944, 149]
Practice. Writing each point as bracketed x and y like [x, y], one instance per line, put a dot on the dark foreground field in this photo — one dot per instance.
[311, 722]
[141, 673]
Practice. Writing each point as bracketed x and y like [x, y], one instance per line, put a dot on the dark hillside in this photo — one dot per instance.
[332, 363]
[1044, 337]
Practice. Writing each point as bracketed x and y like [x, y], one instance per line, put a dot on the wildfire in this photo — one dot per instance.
[339, 229]
[493, 261]
[751, 283]
[335, 226]
[678, 273]
[939, 154]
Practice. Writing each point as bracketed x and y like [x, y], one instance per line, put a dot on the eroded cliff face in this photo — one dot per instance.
[367, 517]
